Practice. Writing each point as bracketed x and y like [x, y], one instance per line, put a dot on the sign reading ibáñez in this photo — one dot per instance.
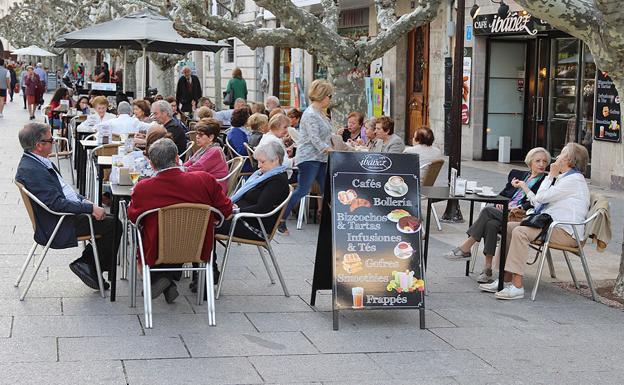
[519, 22]
[376, 232]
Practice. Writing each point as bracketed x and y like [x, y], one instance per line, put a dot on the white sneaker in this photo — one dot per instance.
[510, 292]
[492, 287]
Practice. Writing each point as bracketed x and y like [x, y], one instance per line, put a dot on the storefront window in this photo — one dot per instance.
[562, 106]
[284, 77]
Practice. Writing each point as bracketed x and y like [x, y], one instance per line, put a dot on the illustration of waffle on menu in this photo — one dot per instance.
[352, 263]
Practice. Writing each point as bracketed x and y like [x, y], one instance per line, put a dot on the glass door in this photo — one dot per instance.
[505, 106]
[562, 106]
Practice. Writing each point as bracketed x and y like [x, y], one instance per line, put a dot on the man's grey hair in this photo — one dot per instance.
[124, 108]
[31, 134]
[186, 68]
[40, 65]
[272, 100]
[163, 106]
[162, 153]
[271, 150]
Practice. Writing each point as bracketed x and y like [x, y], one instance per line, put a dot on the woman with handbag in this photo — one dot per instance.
[488, 224]
[565, 199]
[236, 88]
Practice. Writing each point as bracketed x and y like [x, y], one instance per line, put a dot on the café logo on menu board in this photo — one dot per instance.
[515, 23]
[376, 162]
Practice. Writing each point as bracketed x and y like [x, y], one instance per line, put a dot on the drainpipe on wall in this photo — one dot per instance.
[448, 77]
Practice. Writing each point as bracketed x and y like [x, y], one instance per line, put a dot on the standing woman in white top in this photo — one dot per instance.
[278, 129]
[315, 131]
[566, 200]
[423, 146]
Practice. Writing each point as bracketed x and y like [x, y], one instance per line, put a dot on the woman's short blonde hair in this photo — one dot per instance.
[256, 121]
[204, 112]
[277, 120]
[319, 90]
[577, 155]
[530, 156]
[98, 100]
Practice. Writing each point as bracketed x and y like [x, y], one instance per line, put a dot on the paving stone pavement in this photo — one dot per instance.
[64, 333]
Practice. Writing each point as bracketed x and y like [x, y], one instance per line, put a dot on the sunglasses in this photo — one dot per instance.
[51, 140]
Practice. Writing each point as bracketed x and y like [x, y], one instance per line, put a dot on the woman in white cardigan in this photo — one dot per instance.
[566, 199]
[278, 130]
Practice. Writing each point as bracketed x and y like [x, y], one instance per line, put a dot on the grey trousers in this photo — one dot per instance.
[486, 227]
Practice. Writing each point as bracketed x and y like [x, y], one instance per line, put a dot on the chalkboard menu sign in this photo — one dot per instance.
[376, 231]
[607, 115]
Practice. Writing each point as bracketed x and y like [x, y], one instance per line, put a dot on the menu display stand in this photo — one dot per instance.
[369, 248]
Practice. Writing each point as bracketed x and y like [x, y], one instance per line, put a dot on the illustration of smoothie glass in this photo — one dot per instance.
[358, 297]
[405, 279]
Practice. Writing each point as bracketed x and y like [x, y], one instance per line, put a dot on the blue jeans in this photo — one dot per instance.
[308, 172]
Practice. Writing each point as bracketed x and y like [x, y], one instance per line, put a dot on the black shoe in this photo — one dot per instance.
[84, 272]
[159, 286]
[171, 293]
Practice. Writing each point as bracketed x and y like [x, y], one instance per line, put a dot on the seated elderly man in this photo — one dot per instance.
[169, 186]
[40, 177]
[271, 103]
[125, 123]
[225, 116]
[163, 113]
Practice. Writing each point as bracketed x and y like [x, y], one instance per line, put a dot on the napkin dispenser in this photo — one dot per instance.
[460, 187]
[124, 176]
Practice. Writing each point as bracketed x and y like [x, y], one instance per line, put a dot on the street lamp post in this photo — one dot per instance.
[452, 212]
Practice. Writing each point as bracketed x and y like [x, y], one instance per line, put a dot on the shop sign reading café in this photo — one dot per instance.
[519, 22]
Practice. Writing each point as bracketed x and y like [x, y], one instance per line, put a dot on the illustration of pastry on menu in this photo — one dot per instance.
[351, 199]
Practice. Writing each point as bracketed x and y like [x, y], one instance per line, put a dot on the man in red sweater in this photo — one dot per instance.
[169, 186]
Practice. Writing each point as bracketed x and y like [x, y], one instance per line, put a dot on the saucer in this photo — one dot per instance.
[392, 193]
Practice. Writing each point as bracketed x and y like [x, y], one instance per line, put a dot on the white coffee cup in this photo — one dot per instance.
[487, 190]
[471, 185]
[396, 183]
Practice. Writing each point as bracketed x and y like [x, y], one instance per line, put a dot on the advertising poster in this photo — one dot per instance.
[377, 97]
[368, 88]
[466, 86]
[607, 114]
[376, 237]
[386, 98]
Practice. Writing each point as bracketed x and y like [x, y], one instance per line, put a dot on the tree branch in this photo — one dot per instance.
[309, 28]
[578, 18]
[375, 48]
[217, 28]
[331, 13]
[386, 13]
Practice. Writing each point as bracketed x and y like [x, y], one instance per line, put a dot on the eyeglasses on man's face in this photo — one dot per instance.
[51, 140]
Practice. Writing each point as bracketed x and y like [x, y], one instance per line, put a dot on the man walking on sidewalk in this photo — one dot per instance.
[5, 84]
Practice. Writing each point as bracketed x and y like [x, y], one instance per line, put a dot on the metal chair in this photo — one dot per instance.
[188, 152]
[64, 154]
[181, 232]
[28, 198]
[93, 183]
[302, 214]
[250, 154]
[545, 248]
[232, 178]
[266, 242]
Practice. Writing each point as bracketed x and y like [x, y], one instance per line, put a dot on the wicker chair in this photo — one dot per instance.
[28, 198]
[226, 241]
[181, 232]
[431, 171]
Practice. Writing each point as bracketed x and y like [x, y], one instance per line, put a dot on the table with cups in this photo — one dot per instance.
[483, 194]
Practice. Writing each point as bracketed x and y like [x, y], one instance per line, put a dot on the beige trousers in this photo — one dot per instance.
[518, 239]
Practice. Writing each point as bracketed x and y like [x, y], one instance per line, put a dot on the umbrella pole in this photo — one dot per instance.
[144, 75]
[125, 67]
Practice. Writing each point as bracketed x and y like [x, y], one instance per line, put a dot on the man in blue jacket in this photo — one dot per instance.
[39, 175]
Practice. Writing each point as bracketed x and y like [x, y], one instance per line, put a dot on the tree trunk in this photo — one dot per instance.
[618, 80]
[349, 93]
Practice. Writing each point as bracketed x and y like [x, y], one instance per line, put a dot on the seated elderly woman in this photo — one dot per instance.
[488, 224]
[565, 199]
[210, 156]
[278, 131]
[386, 139]
[258, 125]
[423, 146]
[264, 191]
[203, 112]
[141, 110]
[100, 105]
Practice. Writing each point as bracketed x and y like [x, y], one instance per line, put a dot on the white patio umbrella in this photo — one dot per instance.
[32, 50]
